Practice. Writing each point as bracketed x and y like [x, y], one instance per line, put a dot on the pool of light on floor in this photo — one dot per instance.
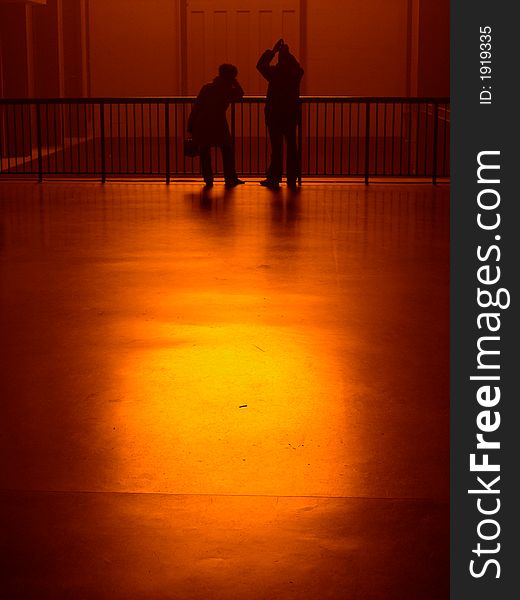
[229, 407]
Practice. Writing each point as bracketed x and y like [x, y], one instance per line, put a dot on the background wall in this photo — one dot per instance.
[235, 31]
[134, 47]
[172, 47]
[433, 72]
[16, 68]
[357, 47]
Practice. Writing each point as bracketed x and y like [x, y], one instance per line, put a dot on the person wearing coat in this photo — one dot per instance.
[208, 126]
[282, 111]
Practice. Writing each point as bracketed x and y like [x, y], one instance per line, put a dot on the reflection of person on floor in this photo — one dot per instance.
[282, 110]
[208, 124]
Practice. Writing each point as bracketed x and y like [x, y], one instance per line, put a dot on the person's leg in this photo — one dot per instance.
[292, 155]
[228, 161]
[274, 172]
[205, 164]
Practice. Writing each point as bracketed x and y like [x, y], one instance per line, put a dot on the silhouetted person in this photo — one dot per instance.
[208, 124]
[282, 111]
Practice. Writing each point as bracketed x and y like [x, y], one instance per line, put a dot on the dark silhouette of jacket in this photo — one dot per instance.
[282, 107]
[207, 122]
[282, 112]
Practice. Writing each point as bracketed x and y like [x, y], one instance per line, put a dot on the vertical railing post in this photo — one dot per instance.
[299, 153]
[434, 156]
[39, 141]
[367, 141]
[233, 125]
[102, 134]
[167, 138]
[435, 142]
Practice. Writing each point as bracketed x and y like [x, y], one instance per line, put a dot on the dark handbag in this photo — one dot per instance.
[191, 149]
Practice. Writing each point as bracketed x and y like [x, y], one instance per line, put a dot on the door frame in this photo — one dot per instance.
[183, 45]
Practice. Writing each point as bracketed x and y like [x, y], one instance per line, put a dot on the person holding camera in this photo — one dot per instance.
[282, 112]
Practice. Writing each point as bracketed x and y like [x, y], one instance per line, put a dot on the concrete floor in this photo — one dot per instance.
[231, 395]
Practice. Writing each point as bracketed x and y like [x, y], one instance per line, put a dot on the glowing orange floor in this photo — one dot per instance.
[226, 395]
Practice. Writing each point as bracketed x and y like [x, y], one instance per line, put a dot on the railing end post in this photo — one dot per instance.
[167, 140]
[300, 139]
[435, 142]
[103, 150]
[39, 141]
[367, 141]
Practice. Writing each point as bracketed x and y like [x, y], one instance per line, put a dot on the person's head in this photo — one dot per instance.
[227, 72]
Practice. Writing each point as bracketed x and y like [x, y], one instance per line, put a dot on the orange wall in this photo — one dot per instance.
[74, 82]
[434, 48]
[134, 47]
[48, 72]
[354, 47]
[15, 56]
[357, 47]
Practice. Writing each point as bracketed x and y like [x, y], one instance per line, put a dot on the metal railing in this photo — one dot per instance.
[143, 137]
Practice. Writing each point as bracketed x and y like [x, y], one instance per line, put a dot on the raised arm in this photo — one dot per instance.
[264, 62]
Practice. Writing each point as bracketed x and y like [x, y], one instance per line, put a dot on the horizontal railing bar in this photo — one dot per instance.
[346, 136]
[245, 100]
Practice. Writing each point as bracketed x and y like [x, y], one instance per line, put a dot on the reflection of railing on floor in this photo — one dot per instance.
[338, 137]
